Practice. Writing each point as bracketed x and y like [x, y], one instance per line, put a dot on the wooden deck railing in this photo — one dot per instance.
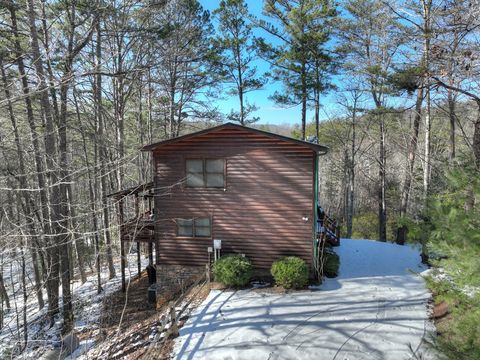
[140, 229]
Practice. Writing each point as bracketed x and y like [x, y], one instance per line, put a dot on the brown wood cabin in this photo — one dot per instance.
[253, 190]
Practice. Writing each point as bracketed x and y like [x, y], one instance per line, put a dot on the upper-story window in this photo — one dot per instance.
[205, 172]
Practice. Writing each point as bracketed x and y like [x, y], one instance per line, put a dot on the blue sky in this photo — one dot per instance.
[268, 111]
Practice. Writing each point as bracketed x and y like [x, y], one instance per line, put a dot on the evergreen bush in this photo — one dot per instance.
[331, 263]
[233, 270]
[453, 217]
[290, 272]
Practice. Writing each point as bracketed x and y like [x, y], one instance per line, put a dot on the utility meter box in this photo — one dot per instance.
[217, 244]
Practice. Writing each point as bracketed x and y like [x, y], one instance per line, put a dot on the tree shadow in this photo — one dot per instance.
[301, 321]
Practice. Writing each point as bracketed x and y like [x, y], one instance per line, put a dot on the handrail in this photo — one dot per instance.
[328, 229]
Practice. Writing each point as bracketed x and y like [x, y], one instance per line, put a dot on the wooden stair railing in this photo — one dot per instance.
[328, 230]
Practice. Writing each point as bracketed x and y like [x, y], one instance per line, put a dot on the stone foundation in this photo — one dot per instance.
[174, 279]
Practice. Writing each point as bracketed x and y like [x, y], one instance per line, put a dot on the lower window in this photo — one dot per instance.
[196, 227]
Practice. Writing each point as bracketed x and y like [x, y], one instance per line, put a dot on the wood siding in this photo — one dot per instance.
[268, 192]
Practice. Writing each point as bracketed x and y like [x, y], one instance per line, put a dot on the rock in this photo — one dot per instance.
[440, 310]
[52, 354]
[70, 343]
[67, 346]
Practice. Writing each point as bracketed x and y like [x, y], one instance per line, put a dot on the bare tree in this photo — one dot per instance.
[372, 37]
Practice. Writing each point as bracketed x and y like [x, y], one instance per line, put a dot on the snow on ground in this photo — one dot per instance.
[87, 308]
[375, 309]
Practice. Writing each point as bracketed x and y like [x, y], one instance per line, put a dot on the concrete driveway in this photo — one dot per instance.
[375, 309]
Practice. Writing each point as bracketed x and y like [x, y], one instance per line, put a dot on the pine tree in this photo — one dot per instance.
[303, 36]
[237, 55]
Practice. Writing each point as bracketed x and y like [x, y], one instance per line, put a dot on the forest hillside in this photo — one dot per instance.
[392, 87]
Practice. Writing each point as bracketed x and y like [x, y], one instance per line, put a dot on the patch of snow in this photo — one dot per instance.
[440, 275]
[375, 309]
[82, 349]
[471, 291]
[87, 305]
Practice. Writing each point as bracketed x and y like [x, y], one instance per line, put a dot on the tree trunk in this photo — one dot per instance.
[102, 152]
[476, 138]
[3, 292]
[351, 177]
[29, 213]
[77, 241]
[48, 62]
[39, 166]
[51, 155]
[65, 237]
[304, 100]
[382, 208]
[451, 97]
[150, 110]
[25, 296]
[240, 83]
[242, 111]
[452, 118]
[91, 192]
[412, 153]
[427, 6]
[317, 91]
[65, 187]
[171, 116]
[119, 106]
[427, 167]
[141, 134]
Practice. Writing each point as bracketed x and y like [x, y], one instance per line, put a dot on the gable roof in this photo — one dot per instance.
[229, 125]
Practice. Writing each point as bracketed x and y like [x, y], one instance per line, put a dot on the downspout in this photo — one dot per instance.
[315, 203]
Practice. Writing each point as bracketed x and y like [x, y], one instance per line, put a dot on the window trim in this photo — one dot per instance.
[204, 168]
[194, 235]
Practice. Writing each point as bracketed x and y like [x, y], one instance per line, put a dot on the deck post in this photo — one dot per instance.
[137, 206]
[150, 253]
[137, 217]
[122, 245]
[139, 261]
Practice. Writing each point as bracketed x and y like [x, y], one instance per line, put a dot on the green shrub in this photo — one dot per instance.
[365, 226]
[233, 270]
[331, 263]
[290, 272]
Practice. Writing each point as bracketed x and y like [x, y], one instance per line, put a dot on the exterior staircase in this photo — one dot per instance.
[328, 229]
